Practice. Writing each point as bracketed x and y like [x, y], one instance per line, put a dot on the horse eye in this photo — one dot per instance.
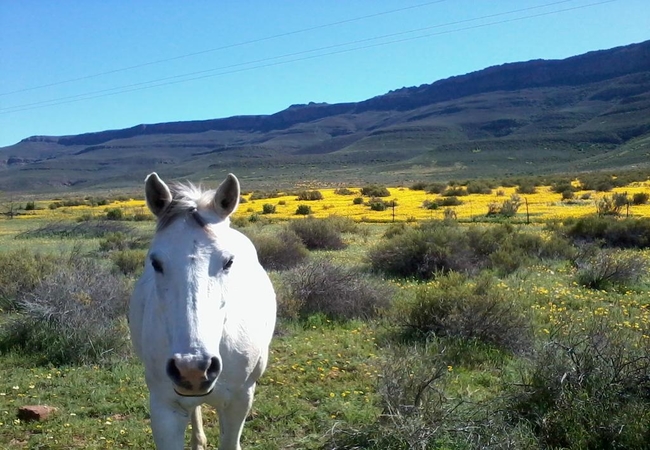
[228, 263]
[157, 266]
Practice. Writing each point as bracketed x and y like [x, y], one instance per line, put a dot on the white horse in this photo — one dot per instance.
[201, 316]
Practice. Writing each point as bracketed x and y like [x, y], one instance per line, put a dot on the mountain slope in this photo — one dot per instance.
[587, 112]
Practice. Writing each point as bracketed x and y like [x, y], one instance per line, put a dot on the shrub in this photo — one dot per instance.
[418, 186]
[303, 210]
[526, 188]
[357, 201]
[318, 234]
[20, 272]
[129, 261]
[454, 191]
[611, 232]
[340, 293]
[268, 208]
[422, 252]
[342, 224]
[433, 247]
[435, 188]
[567, 195]
[260, 195]
[478, 187]
[374, 190]
[640, 198]
[88, 229]
[30, 206]
[73, 316]
[343, 191]
[610, 268]
[450, 214]
[455, 306]
[114, 241]
[599, 182]
[508, 208]
[587, 388]
[377, 204]
[430, 204]
[449, 201]
[279, 251]
[114, 214]
[562, 186]
[310, 195]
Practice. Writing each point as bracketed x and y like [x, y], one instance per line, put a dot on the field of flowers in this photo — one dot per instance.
[540, 206]
[333, 383]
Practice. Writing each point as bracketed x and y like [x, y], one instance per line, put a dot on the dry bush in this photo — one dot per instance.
[340, 293]
[73, 316]
[588, 387]
[604, 268]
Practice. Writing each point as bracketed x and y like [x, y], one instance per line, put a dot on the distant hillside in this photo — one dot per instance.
[588, 112]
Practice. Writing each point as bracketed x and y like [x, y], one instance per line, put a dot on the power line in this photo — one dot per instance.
[225, 47]
[206, 73]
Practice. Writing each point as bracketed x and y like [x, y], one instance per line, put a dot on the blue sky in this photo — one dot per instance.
[70, 66]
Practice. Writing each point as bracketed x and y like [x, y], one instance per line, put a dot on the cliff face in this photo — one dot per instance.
[582, 105]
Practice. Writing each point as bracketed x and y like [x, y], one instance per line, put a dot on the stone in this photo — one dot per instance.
[31, 413]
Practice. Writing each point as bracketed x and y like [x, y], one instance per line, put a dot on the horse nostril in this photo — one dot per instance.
[214, 368]
[172, 371]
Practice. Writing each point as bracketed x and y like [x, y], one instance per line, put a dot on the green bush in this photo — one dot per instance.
[459, 307]
[640, 198]
[430, 204]
[421, 252]
[374, 190]
[268, 208]
[526, 188]
[507, 208]
[478, 187]
[562, 186]
[114, 214]
[435, 188]
[75, 315]
[357, 201]
[449, 201]
[454, 191]
[130, 261]
[338, 292]
[377, 204]
[303, 210]
[344, 191]
[310, 195]
[20, 272]
[260, 195]
[318, 234]
[611, 232]
[279, 251]
[418, 186]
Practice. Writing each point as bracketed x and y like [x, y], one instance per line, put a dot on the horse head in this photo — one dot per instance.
[190, 262]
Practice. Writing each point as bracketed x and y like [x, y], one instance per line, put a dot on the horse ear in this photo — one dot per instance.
[156, 193]
[226, 199]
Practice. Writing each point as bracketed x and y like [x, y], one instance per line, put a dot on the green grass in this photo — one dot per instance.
[320, 374]
[327, 382]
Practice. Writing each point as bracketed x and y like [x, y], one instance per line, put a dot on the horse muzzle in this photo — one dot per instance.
[193, 375]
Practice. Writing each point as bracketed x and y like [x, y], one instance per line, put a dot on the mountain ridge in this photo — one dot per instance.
[586, 105]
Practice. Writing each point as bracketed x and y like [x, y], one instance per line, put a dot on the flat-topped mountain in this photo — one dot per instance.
[587, 112]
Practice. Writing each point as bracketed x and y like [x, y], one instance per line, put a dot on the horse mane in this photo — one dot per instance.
[187, 199]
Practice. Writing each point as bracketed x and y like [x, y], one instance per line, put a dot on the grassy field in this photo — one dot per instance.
[537, 346]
